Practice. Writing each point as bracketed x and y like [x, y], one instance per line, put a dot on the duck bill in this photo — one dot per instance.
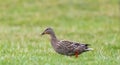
[43, 33]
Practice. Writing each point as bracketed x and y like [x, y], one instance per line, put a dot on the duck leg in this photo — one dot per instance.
[76, 54]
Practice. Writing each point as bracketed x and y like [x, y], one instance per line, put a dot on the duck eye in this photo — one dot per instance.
[46, 29]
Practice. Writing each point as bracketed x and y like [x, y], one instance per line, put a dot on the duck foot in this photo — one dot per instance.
[76, 54]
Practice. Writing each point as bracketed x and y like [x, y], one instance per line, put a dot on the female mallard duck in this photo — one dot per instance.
[66, 47]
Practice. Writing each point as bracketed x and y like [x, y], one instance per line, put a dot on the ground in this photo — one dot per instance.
[95, 22]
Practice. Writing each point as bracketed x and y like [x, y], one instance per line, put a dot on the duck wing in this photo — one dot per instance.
[69, 48]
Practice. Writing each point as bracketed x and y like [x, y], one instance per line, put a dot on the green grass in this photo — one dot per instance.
[96, 22]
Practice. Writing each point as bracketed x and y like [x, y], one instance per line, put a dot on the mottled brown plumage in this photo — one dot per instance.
[66, 47]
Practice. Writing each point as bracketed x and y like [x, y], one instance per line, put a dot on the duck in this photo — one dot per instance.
[65, 47]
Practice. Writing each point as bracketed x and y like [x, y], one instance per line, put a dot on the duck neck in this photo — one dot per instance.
[53, 37]
[54, 40]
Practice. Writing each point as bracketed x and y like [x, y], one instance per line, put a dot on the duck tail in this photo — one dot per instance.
[87, 48]
[87, 44]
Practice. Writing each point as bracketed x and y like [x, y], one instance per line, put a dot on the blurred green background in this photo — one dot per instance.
[96, 22]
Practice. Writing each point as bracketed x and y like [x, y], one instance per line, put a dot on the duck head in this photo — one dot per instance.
[48, 31]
